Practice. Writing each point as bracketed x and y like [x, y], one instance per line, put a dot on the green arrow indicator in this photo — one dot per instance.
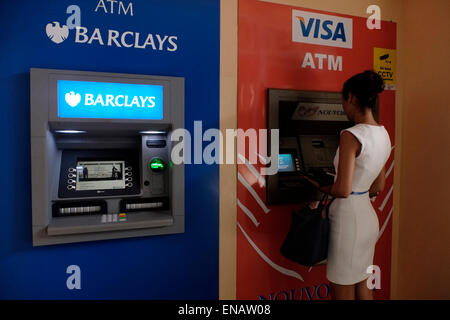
[157, 165]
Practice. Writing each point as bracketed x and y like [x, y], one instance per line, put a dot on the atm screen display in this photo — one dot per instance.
[100, 175]
[285, 163]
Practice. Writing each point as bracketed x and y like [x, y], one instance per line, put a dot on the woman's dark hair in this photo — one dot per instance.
[365, 86]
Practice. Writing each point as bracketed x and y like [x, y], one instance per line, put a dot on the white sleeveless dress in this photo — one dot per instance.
[354, 223]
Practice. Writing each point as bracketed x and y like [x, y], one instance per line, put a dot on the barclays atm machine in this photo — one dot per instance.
[100, 156]
[310, 123]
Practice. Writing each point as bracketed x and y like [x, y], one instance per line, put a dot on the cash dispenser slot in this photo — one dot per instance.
[78, 208]
[144, 204]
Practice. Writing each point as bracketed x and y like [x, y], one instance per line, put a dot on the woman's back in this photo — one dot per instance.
[354, 224]
[375, 151]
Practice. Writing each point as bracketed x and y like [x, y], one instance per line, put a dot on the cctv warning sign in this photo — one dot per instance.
[384, 63]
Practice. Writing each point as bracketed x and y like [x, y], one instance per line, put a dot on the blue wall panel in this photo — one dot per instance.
[182, 266]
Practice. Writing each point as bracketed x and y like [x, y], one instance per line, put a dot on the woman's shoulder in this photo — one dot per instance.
[367, 132]
[357, 129]
[365, 128]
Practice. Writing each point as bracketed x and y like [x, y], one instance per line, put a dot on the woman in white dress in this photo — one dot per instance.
[360, 174]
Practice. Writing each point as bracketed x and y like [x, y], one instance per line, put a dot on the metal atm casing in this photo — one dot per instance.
[119, 136]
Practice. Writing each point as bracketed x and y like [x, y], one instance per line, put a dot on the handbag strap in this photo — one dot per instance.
[327, 209]
[322, 202]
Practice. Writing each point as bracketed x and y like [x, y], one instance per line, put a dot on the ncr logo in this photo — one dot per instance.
[322, 29]
[72, 99]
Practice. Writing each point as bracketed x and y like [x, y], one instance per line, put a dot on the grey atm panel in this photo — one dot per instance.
[310, 123]
[96, 179]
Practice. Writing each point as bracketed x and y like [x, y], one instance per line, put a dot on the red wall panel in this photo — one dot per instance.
[268, 58]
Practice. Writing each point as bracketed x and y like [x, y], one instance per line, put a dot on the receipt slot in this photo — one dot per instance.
[100, 156]
[310, 123]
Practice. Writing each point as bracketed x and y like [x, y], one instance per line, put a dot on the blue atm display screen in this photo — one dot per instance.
[106, 100]
[285, 163]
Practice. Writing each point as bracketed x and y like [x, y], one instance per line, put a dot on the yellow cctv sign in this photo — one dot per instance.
[384, 63]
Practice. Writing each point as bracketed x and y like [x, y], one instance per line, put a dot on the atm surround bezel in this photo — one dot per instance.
[45, 143]
[274, 195]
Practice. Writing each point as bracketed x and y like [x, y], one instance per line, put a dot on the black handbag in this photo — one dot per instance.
[307, 240]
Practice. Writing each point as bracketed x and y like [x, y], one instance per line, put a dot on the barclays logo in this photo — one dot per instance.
[72, 99]
[322, 29]
[57, 33]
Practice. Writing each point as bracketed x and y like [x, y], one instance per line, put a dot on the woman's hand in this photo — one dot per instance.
[324, 189]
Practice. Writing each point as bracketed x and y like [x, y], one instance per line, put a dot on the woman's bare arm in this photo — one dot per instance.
[326, 189]
[349, 149]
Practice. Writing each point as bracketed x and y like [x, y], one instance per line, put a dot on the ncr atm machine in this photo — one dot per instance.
[310, 123]
[100, 156]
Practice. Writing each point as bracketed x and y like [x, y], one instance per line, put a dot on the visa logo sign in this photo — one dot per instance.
[322, 29]
[105, 100]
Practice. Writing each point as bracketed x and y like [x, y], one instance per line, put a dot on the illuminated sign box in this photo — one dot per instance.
[106, 100]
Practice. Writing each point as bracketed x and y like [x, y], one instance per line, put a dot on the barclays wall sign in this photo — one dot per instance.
[58, 32]
[105, 100]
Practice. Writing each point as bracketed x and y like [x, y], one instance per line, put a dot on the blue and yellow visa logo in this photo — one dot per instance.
[322, 29]
[106, 100]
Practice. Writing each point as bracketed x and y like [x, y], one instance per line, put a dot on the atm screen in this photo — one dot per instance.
[285, 163]
[100, 175]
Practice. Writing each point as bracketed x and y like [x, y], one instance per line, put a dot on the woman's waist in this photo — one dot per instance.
[354, 199]
[359, 193]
